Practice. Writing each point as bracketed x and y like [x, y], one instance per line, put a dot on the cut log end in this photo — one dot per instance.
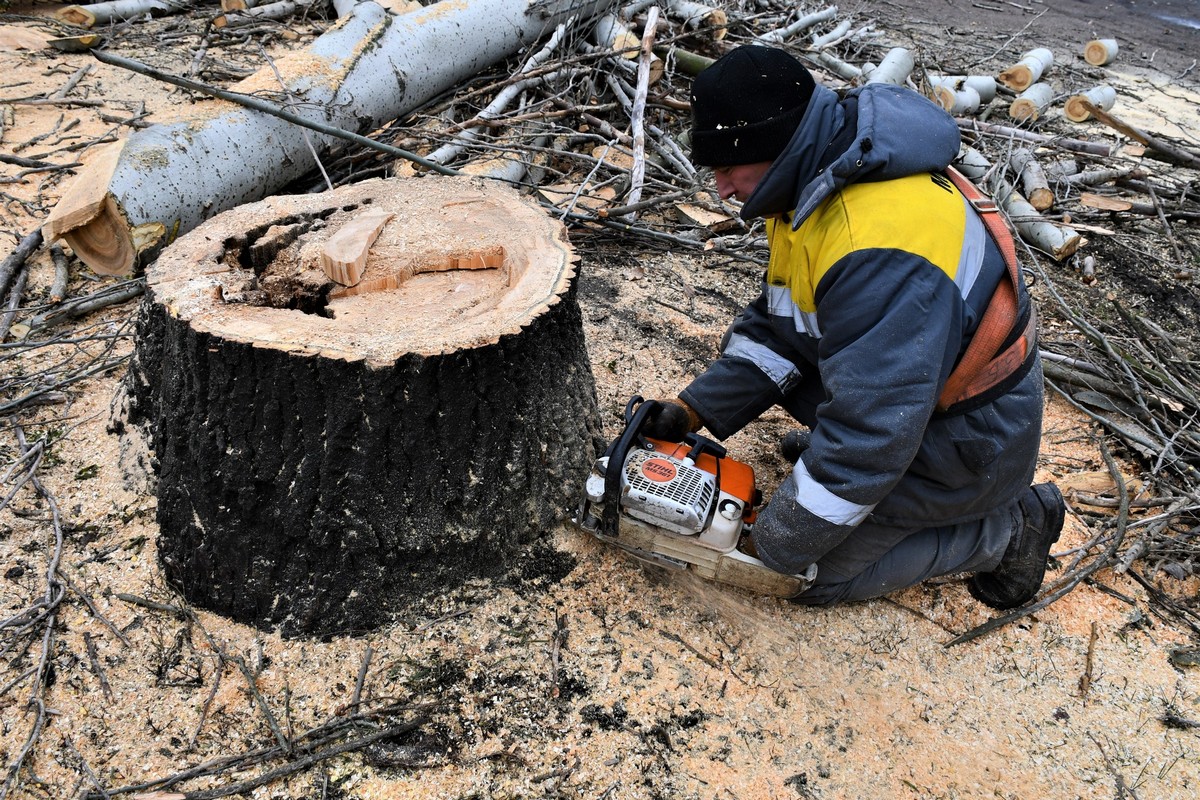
[90, 219]
[1070, 244]
[963, 101]
[1040, 198]
[462, 263]
[1028, 70]
[1100, 52]
[104, 243]
[1024, 110]
[1078, 108]
[626, 44]
[1030, 104]
[713, 24]
[1018, 78]
[77, 15]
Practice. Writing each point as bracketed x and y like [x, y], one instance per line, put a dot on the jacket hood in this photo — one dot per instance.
[897, 132]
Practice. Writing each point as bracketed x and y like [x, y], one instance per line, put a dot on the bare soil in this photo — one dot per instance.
[582, 674]
[1162, 36]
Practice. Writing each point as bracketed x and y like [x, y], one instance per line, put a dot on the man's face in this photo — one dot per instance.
[740, 180]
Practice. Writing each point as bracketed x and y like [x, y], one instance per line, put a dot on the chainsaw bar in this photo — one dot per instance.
[734, 568]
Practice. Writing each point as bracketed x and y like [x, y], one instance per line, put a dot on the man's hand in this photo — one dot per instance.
[670, 421]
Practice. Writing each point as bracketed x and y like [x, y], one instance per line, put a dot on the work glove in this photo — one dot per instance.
[671, 421]
[788, 537]
[795, 443]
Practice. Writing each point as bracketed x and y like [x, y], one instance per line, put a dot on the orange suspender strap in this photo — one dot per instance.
[983, 365]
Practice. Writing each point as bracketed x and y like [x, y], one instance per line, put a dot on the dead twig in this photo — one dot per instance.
[362, 677]
[310, 741]
[97, 670]
[1085, 680]
[42, 614]
[16, 259]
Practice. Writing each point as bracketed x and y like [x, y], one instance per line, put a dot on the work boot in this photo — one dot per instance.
[1019, 575]
[795, 443]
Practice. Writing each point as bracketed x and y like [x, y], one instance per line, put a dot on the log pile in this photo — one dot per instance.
[541, 112]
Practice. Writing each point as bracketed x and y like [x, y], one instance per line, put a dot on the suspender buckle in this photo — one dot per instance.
[984, 205]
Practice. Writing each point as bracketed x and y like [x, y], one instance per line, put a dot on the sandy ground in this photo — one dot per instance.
[612, 681]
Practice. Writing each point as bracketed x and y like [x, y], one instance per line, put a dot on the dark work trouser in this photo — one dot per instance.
[875, 560]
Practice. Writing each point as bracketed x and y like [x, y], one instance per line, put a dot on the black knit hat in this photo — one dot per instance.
[747, 105]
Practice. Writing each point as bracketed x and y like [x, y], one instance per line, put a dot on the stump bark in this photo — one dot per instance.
[326, 455]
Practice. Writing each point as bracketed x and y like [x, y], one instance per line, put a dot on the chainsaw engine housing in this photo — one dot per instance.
[710, 500]
[680, 506]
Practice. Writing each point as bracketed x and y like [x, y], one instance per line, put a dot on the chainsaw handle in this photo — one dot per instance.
[702, 444]
[636, 412]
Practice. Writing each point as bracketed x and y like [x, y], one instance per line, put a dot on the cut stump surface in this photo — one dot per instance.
[327, 455]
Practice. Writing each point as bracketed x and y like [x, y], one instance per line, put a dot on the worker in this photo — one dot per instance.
[880, 273]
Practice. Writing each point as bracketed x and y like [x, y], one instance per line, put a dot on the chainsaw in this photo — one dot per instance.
[682, 506]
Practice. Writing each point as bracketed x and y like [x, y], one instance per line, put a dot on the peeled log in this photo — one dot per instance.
[324, 463]
[1030, 104]
[370, 68]
[1102, 97]
[1058, 241]
[1028, 70]
[1099, 52]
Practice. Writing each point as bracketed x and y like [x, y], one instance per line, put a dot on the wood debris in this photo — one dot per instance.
[567, 126]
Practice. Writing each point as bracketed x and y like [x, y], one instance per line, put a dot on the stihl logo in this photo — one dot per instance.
[658, 470]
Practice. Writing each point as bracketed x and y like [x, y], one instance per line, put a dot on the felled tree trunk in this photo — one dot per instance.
[370, 68]
[328, 456]
[89, 16]
[1076, 108]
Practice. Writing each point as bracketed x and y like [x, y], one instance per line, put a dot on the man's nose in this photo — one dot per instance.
[724, 186]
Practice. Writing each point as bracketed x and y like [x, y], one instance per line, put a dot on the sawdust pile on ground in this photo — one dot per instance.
[585, 675]
[616, 680]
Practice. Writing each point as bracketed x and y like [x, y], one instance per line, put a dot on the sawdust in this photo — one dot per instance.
[614, 681]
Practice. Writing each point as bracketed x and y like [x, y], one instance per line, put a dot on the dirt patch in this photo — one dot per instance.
[1156, 38]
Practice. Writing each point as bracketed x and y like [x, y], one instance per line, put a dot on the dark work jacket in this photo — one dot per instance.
[878, 275]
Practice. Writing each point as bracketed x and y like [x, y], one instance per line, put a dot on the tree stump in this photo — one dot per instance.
[329, 455]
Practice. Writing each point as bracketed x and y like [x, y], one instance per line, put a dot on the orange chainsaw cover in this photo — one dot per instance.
[733, 477]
